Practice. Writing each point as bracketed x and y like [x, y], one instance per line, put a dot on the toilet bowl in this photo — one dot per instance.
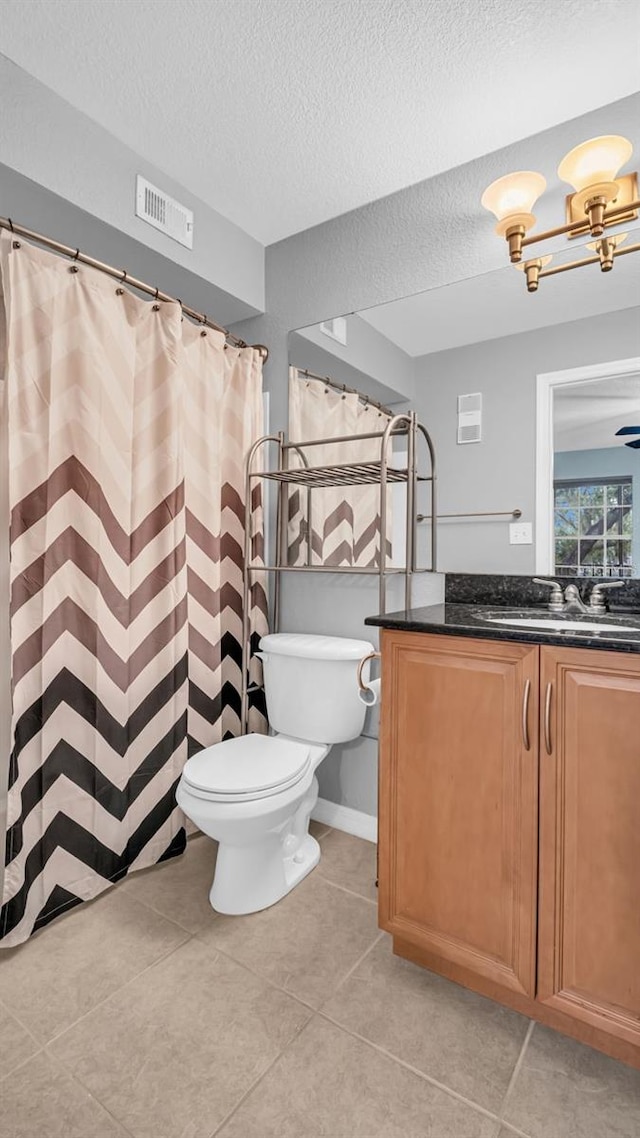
[255, 794]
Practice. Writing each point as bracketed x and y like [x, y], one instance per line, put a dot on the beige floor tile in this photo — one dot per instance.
[42, 1101]
[567, 1090]
[70, 966]
[16, 1044]
[318, 829]
[306, 943]
[457, 1037]
[179, 888]
[331, 1085]
[171, 1054]
[349, 862]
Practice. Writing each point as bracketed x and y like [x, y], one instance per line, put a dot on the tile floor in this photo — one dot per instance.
[145, 1014]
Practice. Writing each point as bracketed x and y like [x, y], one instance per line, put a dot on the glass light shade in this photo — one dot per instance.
[595, 162]
[512, 198]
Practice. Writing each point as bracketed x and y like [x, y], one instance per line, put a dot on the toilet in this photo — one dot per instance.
[255, 794]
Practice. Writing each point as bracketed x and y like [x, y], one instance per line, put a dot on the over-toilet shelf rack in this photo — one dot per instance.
[381, 473]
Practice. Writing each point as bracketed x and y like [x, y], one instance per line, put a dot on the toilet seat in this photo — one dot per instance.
[247, 768]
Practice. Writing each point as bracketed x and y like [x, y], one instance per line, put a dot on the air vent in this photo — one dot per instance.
[470, 418]
[164, 213]
[336, 329]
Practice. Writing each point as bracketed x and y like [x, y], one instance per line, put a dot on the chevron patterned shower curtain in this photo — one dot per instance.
[127, 431]
[345, 521]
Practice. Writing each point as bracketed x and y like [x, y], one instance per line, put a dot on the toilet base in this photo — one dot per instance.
[250, 878]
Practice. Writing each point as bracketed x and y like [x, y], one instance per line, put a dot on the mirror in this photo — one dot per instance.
[523, 394]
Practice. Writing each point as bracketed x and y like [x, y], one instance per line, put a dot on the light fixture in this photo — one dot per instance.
[601, 198]
[532, 270]
[606, 249]
[591, 169]
[511, 199]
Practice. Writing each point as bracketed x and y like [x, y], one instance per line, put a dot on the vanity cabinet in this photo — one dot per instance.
[509, 834]
[589, 900]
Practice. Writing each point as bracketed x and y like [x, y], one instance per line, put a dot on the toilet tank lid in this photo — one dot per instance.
[305, 645]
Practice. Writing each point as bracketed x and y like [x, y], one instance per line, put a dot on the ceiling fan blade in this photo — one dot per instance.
[635, 444]
[628, 431]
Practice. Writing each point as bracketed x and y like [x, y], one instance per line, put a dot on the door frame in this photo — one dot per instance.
[546, 382]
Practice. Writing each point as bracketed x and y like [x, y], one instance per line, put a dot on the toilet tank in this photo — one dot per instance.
[311, 685]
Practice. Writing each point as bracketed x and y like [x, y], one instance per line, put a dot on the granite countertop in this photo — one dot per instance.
[469, 595]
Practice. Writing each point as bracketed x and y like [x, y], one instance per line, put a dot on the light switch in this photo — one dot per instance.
[520, 533]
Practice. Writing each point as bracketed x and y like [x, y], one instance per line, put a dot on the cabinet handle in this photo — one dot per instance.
[525, 715]
[547, 718]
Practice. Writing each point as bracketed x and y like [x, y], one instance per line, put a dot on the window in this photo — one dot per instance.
[592, 525]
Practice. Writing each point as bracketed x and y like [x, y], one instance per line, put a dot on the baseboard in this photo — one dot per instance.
[344, 818]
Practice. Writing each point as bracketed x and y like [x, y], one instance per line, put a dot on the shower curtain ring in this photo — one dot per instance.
[14, 244]
[155, 295]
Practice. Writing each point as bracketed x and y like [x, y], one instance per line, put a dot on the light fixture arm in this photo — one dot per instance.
[574, 226]
[536, 274]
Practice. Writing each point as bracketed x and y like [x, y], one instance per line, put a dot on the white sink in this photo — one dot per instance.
[562, 624]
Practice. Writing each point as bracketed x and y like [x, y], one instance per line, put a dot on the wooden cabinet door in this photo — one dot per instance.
[458, 801]
[589, 931]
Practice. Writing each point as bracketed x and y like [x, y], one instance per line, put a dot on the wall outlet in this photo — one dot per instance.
[520, 533]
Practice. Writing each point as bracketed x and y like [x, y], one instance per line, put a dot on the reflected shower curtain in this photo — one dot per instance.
[345, 520]
[127, 432]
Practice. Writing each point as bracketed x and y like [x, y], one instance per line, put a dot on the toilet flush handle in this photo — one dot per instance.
[365, 660]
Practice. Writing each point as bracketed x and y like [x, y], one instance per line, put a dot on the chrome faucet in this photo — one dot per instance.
[596, 600]
[571, 601]
[556, 600]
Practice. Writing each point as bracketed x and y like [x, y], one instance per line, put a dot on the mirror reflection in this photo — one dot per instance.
[525, 396]
[596, 477]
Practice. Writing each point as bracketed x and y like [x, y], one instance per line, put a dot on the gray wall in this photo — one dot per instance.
[45, 212]
[51, 143]
[368, 351]
[606, 462]
[425, 236]
[428, 235]
[304, 353]
[499, 472]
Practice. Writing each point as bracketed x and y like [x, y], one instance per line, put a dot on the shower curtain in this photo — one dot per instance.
[127, 430]
[345, 520]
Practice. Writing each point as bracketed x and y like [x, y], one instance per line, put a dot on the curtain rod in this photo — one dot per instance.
[344, 388]
[124, 278]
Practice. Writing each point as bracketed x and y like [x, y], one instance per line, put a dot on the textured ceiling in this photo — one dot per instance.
[497, 304]
[283, 113]
[587, 415]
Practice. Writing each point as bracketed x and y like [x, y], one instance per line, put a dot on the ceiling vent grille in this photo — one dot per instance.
[470, 418]
[164, 213]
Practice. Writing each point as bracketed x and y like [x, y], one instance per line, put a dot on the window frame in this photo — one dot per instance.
[581, 569]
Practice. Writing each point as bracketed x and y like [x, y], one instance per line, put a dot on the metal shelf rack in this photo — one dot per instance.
[308, 477]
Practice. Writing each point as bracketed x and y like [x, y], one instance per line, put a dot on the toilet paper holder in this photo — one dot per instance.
[365, 660]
